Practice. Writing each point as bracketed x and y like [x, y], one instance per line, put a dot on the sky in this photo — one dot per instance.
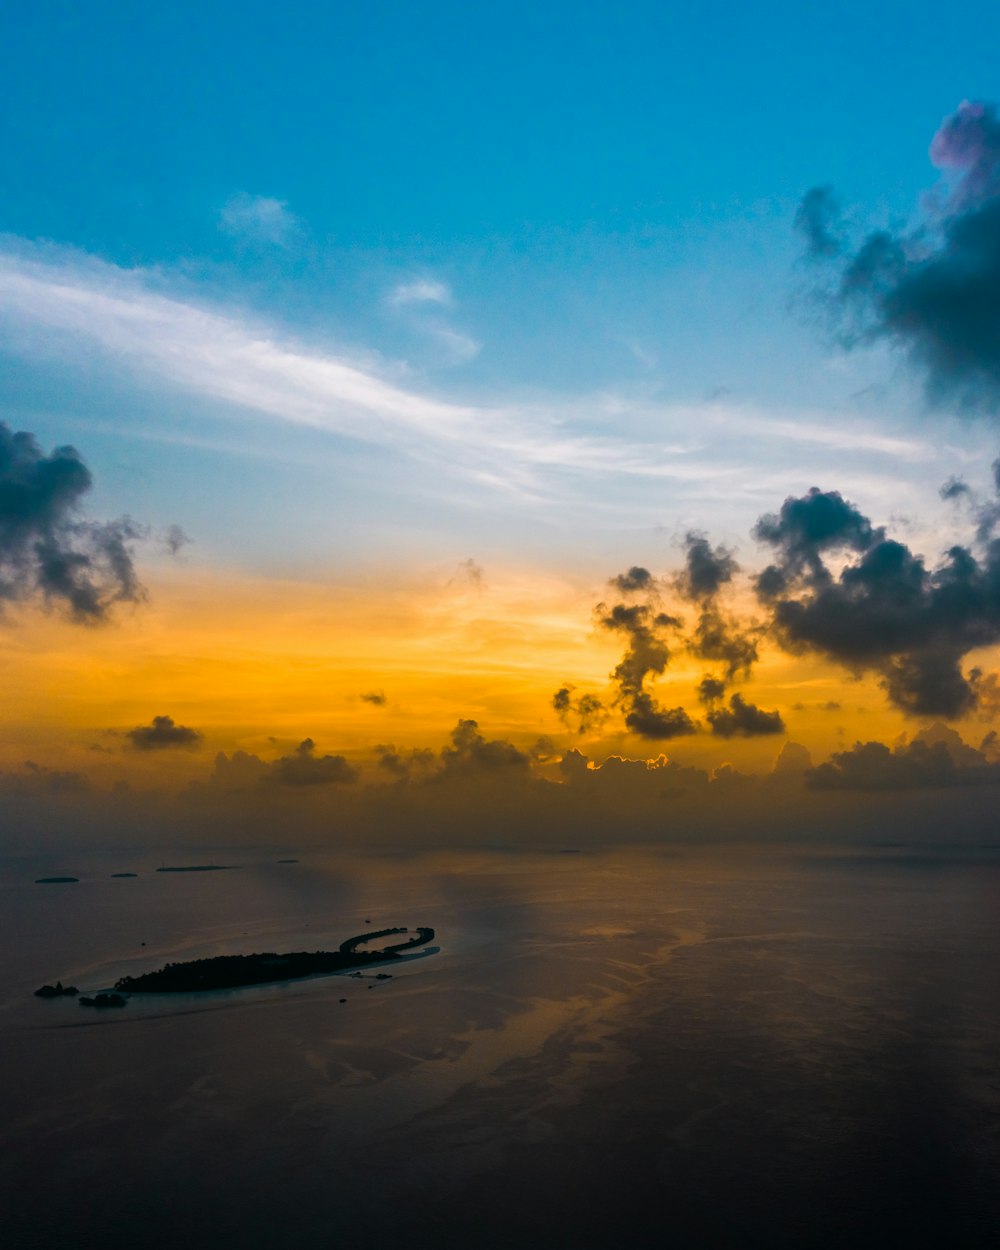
[539, 408]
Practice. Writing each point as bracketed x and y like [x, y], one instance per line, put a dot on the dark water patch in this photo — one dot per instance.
[56, 880]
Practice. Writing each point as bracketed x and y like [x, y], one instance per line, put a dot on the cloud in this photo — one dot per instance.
[818, 221]
[954, 488]
[646, 657]
[37, 779]
[744, 720]
[405, 765]
[375, 697]
[46, 549]
[259, 218]
[936, 759]
[588, 709]
[884, 611]
[636, 580]
[933, 291]
[706, 569]
[471, 753]
[163, 734]
[175, 539]
[305, 768]
[421, 291]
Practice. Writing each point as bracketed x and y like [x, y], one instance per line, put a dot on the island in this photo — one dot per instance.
[104, 1000]
[57, 991]
[225, 972]
[56, 880]
[198, 868]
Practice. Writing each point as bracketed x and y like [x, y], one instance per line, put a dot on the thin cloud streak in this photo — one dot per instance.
[221, 357]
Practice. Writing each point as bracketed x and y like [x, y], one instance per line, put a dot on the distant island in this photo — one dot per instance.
[224, 972]
[56, 880]
[199, 868]
[124, 874]
[57, 991]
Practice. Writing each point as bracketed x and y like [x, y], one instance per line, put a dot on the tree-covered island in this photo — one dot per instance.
[223, 972]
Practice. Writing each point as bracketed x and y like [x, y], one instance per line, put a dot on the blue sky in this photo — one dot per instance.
[547, 247]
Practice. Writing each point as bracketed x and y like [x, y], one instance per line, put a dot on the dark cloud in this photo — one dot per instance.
[933, 291]
[46, 549]
[720, 637]
[743, 720]
[818, 221]
[793, 760]
[706, 568]
[375, 697]
[955, 488]
[37, 779]
[404, 765]
[636, 579]
[587, 709]
[717, 635]
[711, 689]
[646, 657]
[471, 753]
[163, 734]
[175, 539]
[883, 611]
[301, 769]
[649, 719]
[933, 760]
[305, 768]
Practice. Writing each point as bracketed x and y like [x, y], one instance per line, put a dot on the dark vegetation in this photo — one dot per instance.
[222, 972]
[57, 991]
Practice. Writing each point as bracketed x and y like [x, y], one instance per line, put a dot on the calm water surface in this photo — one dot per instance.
[623, 1049]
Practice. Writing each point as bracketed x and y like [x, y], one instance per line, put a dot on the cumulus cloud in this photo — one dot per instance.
[259, 218]
[470, 753]
[743, 720]
[305, 768]
[46, 549]
[375, 697]
[884, 611]
[302, 769]
[37, 779]
[933, 291]
[646, 630]
[163, 734]
[587, 710]
[635, 580]
[935, 759]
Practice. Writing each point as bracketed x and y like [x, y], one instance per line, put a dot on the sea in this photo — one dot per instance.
[602, 1050]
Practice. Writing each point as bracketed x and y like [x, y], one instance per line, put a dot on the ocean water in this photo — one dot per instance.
[745, 1048]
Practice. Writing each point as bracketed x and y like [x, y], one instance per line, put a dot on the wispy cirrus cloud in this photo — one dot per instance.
[64, 305]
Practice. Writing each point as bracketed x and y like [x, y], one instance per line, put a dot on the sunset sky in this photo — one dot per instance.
[434, 364]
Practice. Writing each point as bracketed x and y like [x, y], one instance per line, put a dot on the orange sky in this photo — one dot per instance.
[258, 664]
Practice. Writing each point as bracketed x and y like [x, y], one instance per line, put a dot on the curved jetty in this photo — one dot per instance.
[225, 972]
